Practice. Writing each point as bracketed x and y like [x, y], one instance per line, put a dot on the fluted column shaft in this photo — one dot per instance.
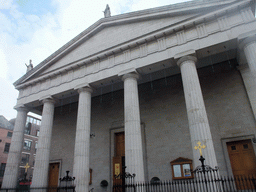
[249, 74]
[14, 156]
[250, 54]
[82, 143]
[133, 138]
[41, 168]
[197, 117]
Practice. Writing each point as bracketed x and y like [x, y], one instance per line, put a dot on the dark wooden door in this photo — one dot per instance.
[242, 158]
[53, 176]
[118, 161]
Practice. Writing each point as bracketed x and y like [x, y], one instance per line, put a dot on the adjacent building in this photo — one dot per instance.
[142, 89]
[6, 129]
[28, 153]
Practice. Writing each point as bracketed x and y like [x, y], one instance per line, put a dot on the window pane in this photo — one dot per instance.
[27, 145]
[7, 147]
[186, 170]
[2, 169]
[25, 159]
[177, 170]
[9, 134]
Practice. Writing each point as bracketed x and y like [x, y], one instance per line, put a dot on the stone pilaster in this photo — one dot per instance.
[82, 142]
[14, 156]
[197, 117]
[133, 138]
[41, 168]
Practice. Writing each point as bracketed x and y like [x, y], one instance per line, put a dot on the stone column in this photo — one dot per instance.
[41, 168]
[82, 142]
[14, 157]
[197, 117]
[248, 46]
[133, 138]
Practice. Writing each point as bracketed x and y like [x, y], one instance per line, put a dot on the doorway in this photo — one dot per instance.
[119, 158]
[53, 176]
[242, 159]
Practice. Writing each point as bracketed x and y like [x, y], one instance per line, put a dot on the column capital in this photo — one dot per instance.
[48, 99]
[21, 108]
[186, 58]
[129, 73]
[85, 87]
[247, 41]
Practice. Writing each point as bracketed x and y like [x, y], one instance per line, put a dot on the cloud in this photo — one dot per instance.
[8, 97]
[3, 65]
[5, 4]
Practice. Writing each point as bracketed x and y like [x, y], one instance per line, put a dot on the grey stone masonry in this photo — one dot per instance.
[82, 142]
[40, 174]
[197, 117]
[14, 156]
[133, 139]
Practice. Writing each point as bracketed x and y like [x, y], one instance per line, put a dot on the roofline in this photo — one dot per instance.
[122, 18]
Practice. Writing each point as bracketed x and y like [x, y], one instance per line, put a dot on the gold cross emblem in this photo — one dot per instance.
[199, 147]
[26, 167]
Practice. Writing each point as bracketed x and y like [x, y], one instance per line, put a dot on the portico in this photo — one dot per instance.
[170, 77]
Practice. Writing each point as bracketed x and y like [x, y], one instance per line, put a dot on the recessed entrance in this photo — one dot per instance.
[119, 158]
[53, 176]
[242, 158]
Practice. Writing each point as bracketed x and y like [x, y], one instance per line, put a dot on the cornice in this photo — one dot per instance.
[119, 48]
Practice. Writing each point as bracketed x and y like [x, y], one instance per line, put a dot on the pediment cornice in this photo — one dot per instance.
[223, 8]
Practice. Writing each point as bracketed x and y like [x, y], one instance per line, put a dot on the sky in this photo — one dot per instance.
[34, 29]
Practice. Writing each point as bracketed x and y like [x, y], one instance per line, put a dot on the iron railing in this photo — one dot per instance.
[197, 184]
[42, 189]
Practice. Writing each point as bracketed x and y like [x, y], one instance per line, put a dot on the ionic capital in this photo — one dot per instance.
[247, 41]
[186, 58]
[21, 108]
[129, 73]
[48, 99]
[84, 88]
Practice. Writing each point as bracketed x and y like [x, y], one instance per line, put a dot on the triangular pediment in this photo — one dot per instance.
[117, 33]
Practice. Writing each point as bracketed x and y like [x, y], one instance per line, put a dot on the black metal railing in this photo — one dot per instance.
[42, 189]
[221, 184]
[205, 179]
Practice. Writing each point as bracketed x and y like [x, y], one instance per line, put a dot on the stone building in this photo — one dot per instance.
[142, 89]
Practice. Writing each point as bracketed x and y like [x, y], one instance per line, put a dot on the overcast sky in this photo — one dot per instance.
[34, 29]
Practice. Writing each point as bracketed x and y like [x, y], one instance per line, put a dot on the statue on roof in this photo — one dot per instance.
[107, 12]
[30, 66]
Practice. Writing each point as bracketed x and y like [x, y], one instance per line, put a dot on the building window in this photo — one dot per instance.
[27, 145]
[9, 134]
[37, 133]
[22, 172]
[28, 128]
[182, 168]
[2, 169]
[24, 159]
[7, 147]
[36, 147]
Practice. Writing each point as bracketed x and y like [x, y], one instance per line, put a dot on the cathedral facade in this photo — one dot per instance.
[142, 90]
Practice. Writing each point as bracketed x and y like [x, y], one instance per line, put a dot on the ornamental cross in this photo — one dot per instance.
[26, 167]
[199, 147]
